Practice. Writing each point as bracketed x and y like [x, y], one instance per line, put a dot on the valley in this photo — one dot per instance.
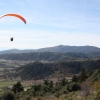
[32, 70]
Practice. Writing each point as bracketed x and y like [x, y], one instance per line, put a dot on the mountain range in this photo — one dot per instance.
[57, 53]
[59, 48]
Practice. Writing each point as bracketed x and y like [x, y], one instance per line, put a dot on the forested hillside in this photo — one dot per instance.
[44, 56]
[50, 56]
[39, 70]
[84, 86]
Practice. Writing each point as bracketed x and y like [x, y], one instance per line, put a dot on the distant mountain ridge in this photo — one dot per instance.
[57, 53]
[59, 48]
[64, 48]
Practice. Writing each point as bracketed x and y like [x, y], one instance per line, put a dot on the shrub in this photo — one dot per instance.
[73, 87]
[8, 96]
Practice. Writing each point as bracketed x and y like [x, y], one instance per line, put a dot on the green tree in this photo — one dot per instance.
[73, 87]
[46, 82]
[7, 96]
[64, 81]
[83, 75]
[51, 84]
[74, 78]
[17, 87]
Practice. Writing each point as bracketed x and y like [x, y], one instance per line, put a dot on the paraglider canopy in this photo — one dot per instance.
[15, 15]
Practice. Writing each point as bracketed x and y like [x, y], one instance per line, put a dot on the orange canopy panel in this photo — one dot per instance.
[15, 15]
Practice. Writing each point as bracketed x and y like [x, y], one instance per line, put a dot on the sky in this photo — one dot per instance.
[50, 23]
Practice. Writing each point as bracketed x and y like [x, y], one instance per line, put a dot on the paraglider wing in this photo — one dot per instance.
[15, 15]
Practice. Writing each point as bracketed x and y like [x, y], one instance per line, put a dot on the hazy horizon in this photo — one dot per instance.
[4, 49]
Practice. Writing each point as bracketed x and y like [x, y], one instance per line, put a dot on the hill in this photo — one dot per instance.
[39, 70]
[14, 51]
[64, 48]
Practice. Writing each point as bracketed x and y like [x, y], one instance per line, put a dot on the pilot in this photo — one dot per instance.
[11, 39]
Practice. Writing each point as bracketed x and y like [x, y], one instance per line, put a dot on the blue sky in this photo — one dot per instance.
[50, 23]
